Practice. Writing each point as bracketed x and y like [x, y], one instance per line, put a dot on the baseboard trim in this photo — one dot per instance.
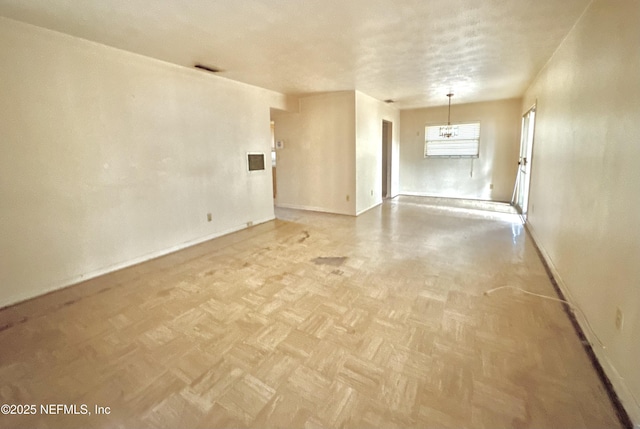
[70, 281]
[369, 208]
[423, 194]
[619, 393]
[310, 208]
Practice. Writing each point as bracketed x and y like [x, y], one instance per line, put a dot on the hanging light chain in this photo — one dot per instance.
[449, 131]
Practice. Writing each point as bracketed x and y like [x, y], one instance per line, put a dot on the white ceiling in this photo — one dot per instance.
[412, 51]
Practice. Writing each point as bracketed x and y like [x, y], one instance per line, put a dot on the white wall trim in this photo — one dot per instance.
[424, 194]
[376, 204]
[420, 194]
[619, 384]
[70, 281]
[310, 208]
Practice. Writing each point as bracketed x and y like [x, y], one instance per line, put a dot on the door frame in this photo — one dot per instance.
[523, 179]
[387, 140]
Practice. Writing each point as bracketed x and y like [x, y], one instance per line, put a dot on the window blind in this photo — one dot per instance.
[464, 143]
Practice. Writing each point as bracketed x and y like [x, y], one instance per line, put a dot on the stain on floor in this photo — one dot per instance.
[335, 261]
[305, 236]
[12, 324]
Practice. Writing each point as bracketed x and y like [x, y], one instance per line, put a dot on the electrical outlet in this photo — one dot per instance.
[209, 217]
[490, 185]
[372, 192]
[249, 224]
[619, 319]
[347, 197]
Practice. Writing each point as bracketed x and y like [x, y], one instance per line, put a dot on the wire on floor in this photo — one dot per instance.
[550, 298]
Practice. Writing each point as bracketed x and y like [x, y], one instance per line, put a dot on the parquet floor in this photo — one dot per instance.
[312, 320]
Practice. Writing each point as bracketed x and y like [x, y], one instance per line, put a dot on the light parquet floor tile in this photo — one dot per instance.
[313, 320]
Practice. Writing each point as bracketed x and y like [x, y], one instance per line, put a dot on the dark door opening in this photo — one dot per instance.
[387, 132]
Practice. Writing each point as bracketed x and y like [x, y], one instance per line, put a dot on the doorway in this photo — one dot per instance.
[523, 179]
[387, 133]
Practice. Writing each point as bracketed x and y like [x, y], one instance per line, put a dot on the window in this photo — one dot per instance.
[464, 143]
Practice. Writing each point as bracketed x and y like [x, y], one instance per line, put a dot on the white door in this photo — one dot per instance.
[524, 163]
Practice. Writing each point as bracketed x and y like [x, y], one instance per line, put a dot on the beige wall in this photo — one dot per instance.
[585, 190]
[110, 158]
[500, 123]
[333, 148]
[316, 168]
[370, 113]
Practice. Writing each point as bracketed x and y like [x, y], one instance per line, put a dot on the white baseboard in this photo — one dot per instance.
[429, 195]
[310, 208]
[15, 299]
[419, 194]
[369, 208]
[324, 210]
[617, 381]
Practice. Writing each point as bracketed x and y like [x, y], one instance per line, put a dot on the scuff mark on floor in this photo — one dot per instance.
[164, 292]
[12, 324]
[70, 302]
[306, 235]
[329, 260]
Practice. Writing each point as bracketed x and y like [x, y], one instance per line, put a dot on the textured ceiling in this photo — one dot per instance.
[412, 51]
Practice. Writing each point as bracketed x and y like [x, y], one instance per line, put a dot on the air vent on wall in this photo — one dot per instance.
[255, 161]
[207, 68]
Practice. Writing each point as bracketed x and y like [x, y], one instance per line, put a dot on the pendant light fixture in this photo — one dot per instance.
[449, 131]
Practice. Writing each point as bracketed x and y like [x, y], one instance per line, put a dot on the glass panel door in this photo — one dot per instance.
[524, 164]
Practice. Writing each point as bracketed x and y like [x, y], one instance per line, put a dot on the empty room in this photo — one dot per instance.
[281, 214]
